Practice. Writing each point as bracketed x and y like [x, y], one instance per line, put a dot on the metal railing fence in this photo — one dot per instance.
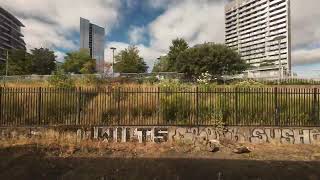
[159, 106]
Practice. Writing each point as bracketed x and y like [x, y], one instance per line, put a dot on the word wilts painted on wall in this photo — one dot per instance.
[126, 134]
[194, 134]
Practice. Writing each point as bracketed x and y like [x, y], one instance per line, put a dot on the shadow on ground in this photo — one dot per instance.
[36, 165]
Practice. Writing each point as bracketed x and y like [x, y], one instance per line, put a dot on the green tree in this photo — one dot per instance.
[216, 59]
[19, 63]
[178, 46]
[129, 61]
[162, 65]
[79, 62]
[60, 79]
[43, 61]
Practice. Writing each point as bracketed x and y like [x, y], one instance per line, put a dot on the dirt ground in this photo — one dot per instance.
[44, 159]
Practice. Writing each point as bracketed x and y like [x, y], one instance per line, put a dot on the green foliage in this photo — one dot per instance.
[54, 106]
[61, 80]
[39, 61]
[216, 59]
[79, 62]
[170, 83]
[292, 82]
[178, 108]
[19, 63]
[214, 107]
[141, 112]
[23, 107]
[162, 65]
[175, 108]
[43, 61]
[205, 78]
[88, 67]
[129, 61]
[178, 46]
[148, 80]
[89, 79]
[247, 84]
[168, 63]
[215, 118]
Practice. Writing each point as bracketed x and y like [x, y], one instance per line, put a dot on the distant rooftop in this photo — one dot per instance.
[233, 4]
[12, 17]
[91, 22]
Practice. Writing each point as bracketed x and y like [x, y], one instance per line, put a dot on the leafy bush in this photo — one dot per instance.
[151, 80]
[169, 83]
[248, 83]
[141, 112]
[216, 119]
[61, 80]
[175, 108]
[89, 79]
[205, 78]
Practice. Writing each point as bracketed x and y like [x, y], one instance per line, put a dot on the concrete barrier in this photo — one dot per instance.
[289, 135]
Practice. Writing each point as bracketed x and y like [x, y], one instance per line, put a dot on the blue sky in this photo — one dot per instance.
[152, 24]
[137, 15]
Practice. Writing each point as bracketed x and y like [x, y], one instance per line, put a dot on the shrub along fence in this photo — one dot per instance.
[159, 106]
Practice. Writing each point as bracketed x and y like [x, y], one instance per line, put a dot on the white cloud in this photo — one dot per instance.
[305, 31]
[51, 23]
[46, 35]
[304, 56]
[161, 3]
[66, 13]
[137, 34]
[150, 55]
[59, 55]
[131, 3]
[203, 20]
[108, 52]
[196, 21]
[305, 23]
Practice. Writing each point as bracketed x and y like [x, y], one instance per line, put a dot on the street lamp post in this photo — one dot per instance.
[113, 49]
[279, 38]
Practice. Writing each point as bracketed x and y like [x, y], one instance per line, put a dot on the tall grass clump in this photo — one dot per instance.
[175, 108]
[169, 104]
[89, 80]
[59, 79]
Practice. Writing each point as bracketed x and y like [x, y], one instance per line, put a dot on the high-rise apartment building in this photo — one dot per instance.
[92, 37]
[10, 33]
[255, 28]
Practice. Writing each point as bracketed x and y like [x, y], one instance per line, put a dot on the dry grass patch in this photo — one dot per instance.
[59, 144]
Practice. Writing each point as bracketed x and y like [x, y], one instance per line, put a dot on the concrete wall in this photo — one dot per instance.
[179, 134]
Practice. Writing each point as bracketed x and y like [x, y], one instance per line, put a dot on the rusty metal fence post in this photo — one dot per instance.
[315, 107]
[277, 109]
[118, 104]
[39, 105]
[79, 107]
[159, 106]
[236, 105]
[197, 106]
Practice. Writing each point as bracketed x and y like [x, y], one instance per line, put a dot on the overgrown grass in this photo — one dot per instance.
[168, 103]
[93, 101]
